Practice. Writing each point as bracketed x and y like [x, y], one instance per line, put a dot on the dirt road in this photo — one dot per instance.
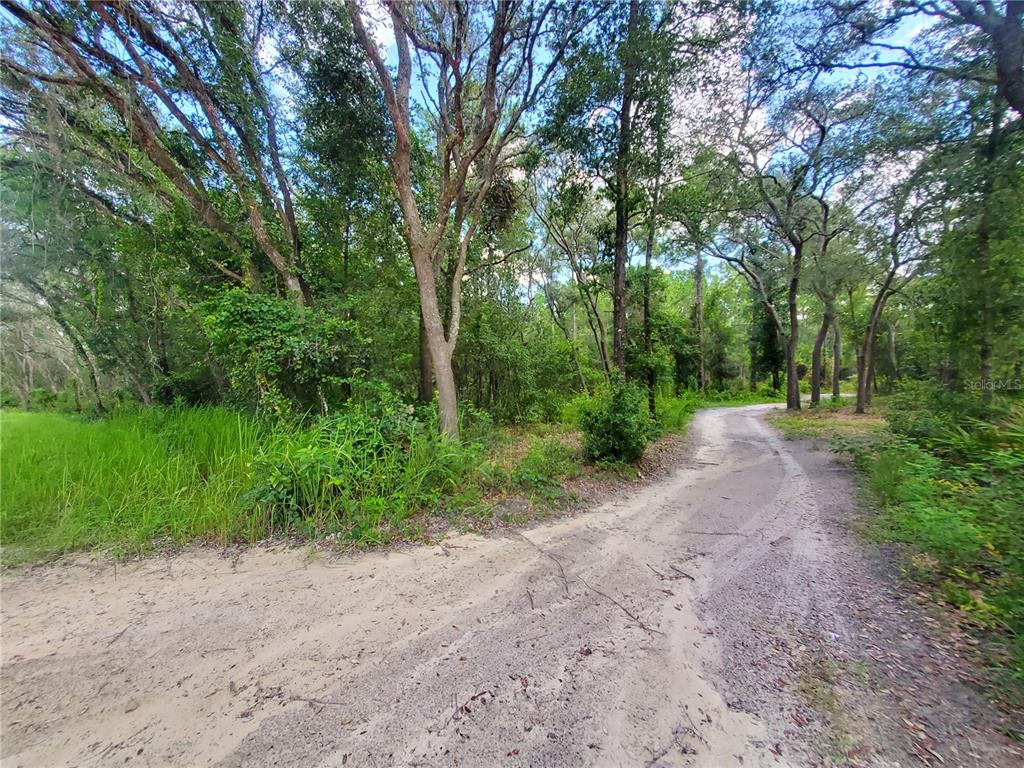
[721, 617]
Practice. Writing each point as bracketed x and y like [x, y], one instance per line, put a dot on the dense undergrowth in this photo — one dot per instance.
[947, 471]
[950, 483]
[368, 473]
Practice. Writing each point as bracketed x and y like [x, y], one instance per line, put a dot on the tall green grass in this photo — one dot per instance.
[150, 475]
[121, 482]
[359, 473]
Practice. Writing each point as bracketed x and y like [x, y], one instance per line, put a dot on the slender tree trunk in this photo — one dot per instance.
[866, 366]
[698, 300]
[866, 352]
[837, 357]
[652, 229]
[141, 390]
[76, 342]
[792, 381]
[163, 365]
[893, 359]
[988, 321]
[220, 381]
[598, 329]
[570, 335]
[819, 343]
[621, 193]
[984, 262]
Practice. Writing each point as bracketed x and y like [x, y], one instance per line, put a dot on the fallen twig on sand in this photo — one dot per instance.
[684, 574]
[625, 610]
[117, 637]
[555, 560]
[319, 702]
[657, 573]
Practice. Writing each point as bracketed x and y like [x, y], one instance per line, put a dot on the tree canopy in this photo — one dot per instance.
[500, 205]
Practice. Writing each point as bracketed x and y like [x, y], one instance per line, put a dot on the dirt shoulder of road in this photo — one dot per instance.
[721, 614]
[889, 675]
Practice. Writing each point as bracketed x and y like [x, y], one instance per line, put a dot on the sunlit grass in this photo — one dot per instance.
[121, 482]
[828, 420]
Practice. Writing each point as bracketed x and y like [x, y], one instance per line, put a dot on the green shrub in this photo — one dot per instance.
[617, 425]
[546, 460]
[365, 466]
[541, 472]
[278, 355]
[674, 413]
[572, 409]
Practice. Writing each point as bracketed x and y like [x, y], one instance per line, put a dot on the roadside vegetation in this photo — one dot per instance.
[946, 474]
[376, 471]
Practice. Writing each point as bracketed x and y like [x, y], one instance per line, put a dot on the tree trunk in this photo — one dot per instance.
[652, 229]
[76, 342]
[866, 360]
[893, 359]
[621, 194]
[698, 300]
[984, 261]
[837, 357]
[426, 382]
[862, 387]
[597, 327]
[792, 382]
[438, 345]
[163, 365]
[866, 353]
[819, 343]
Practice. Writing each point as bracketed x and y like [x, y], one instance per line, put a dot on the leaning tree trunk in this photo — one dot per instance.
[866, 353]
[77, 343]
[819, 343]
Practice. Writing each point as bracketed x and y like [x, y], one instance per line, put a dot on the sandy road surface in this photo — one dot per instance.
[677, 626]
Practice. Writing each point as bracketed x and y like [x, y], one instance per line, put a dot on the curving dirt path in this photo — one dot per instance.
[721, 617]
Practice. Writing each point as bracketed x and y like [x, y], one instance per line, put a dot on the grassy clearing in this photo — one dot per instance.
[947, 473]
[830, 419]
